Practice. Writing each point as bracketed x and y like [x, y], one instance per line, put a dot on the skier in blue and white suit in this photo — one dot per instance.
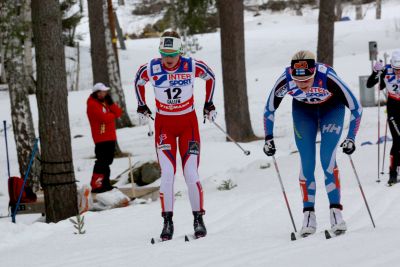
[319, 100]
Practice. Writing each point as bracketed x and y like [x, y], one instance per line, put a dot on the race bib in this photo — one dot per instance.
[315, 95]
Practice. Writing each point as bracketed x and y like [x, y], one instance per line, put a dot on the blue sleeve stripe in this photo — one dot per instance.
[212, 91]
[270, 102]
[270, 109]
[205, 69]
[140, 72]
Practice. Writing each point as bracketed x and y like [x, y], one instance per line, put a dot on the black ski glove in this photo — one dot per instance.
[348, 146]
[269, 146]
[209, 111]
[208, 107]
[144, 110]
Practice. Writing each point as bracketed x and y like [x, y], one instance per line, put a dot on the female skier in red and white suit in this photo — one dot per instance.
[172, 77]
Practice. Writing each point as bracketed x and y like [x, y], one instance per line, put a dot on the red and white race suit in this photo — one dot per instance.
[176, 122]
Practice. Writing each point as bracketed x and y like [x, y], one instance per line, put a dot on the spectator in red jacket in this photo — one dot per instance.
[102, 112]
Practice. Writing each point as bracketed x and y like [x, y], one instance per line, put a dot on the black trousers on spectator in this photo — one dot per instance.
[104, 158]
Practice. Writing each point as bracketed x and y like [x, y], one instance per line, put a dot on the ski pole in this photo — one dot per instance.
[384, 148]
[379, 130]
[5, 137]
[150, 133]
[246, 152]
[35, 147]
[284, 193]
[362, 191]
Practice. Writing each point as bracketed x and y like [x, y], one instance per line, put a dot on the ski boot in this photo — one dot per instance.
[309, 222]
[198, 224]
[168, 229]
[338, 225]
[392, 178]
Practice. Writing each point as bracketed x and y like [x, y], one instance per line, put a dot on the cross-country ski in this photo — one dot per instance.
[329, 233]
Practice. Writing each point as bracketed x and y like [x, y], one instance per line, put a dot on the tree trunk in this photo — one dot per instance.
[358, 9]
[104, 65]
[378, 9]
[174, 19]
[28, 47]
[120, 34]
[3, 33]
[3, 78]
[24, 132]
[98, 46]
[58, 178]
[298, 8]
[237, 115]
[21, 116]
[339, 10]
[111, 21]
[326, 31]
[78, 65]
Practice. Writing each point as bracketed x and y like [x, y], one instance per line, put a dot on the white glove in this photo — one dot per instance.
[209, 111]
[378, 66]
[143, 119]
[211, 115]
[144, 113]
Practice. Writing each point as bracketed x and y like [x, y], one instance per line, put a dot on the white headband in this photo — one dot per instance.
[395, 60]
[171, 43]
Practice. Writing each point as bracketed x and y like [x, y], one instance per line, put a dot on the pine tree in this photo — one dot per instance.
[191, 15]
[13, 29]
[58, 177]
[237, 116]
[326, 29]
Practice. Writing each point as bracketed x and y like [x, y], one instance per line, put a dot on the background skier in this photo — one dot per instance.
[389, 77]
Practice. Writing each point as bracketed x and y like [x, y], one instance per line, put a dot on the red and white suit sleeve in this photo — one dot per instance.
[141, 79]
[204, 72]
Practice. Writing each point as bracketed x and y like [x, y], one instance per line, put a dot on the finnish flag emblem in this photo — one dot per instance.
[300, 72]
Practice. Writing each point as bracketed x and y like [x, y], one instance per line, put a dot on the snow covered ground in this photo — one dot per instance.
[248, 225]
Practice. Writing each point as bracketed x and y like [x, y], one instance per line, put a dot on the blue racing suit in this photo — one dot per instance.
[322, 108]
